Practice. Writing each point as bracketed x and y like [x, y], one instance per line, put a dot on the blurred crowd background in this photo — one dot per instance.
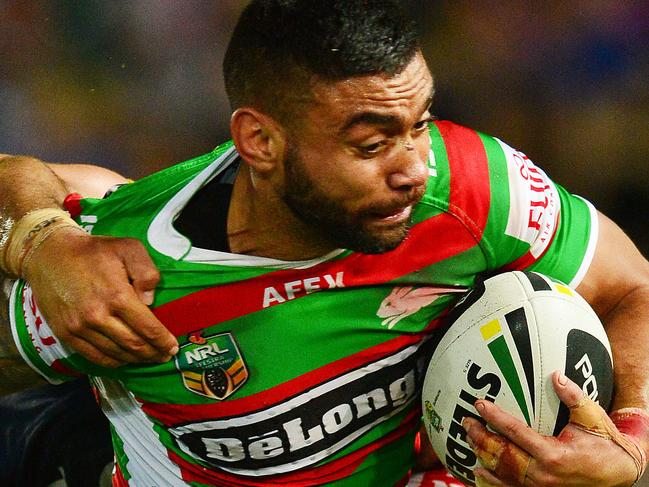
[136, 85]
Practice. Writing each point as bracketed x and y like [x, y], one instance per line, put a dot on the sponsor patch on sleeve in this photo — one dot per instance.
[534, 203]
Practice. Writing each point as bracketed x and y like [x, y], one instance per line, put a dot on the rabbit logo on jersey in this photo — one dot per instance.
[211, 366]
[404, 301]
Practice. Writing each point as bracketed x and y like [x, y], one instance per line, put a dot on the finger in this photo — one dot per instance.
[92, 353]
[110, 348]
[569, 393]
[119, 333]
[511, 428]
[142, 272]
[584, 412]
[484, 478]
[508, 461]
[141, 320]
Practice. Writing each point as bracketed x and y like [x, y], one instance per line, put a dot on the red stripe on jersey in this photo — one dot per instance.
[527, 259]
[173, 414]
[329, 472]
[118, 478]
[63, 369]
[523, 262]
[210, 306]
[470, 189]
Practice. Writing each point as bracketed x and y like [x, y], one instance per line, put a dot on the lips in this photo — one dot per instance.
[394, 215]
[397, 211]
[393, 209]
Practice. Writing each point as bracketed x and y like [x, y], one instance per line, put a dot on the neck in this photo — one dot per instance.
[260, 223]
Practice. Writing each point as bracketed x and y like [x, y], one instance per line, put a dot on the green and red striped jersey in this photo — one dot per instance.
[307, 373]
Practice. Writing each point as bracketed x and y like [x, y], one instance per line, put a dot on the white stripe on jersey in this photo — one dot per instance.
[592, 244]
[49, 347]
[148, 463]
[161, 234]
[431, 164]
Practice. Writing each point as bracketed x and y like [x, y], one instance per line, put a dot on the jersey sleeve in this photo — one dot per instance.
[538, 225]
[38, 345]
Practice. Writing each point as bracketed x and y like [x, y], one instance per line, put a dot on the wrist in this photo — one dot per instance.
[633, 423]
[26, 235]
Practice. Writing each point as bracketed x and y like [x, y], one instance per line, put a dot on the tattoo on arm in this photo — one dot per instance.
[15, 374]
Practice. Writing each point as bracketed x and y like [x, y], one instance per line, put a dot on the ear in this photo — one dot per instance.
[259, 139]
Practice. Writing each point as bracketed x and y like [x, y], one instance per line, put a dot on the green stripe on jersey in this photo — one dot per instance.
[439, 190]
[120, 455]
[499, 247]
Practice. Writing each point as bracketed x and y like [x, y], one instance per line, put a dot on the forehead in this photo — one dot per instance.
[404, 95]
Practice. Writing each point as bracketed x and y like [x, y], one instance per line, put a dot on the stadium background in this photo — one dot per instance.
[136, 85]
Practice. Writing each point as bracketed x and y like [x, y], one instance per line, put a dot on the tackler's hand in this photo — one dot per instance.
[94, 292]
[592, 450]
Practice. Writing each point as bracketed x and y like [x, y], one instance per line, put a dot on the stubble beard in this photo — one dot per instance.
[329, 220]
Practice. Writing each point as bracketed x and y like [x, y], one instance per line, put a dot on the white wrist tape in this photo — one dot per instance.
[27, 234]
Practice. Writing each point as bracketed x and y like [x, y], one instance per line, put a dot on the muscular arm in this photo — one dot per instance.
[34, 184]
[617, 287]
[92, 290]
[88, 181]
[15, 374]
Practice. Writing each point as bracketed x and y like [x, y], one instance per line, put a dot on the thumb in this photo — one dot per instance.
[569, 393]
[584, 412]
[590, 417]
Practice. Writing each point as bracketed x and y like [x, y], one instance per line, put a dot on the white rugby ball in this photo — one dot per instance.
[505, 339]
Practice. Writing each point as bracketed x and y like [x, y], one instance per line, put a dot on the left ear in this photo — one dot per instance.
[260, 140]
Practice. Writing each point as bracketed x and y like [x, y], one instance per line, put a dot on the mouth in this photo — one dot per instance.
[398, 213]
[392, 216]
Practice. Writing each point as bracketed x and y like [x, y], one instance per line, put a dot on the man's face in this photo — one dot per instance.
[356, 162]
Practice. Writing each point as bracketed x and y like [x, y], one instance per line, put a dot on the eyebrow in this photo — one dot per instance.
[370, 118]
[374, 118]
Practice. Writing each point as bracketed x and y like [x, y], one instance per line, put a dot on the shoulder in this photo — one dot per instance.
[87, 180]
[474, 163]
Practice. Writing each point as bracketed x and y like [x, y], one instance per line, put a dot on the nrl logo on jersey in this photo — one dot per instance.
[211, 366]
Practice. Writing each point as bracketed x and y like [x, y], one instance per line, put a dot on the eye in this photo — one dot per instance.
[372, 149]
[423, 124]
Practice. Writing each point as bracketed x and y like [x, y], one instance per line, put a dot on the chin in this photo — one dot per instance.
[379, 242]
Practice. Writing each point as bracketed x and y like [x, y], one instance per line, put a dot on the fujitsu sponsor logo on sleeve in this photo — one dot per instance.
[309, 427]
[533, 202]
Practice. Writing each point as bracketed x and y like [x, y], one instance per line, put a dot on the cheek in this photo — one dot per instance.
[345, 179]
[351, 183]
[422, 146]
[363, 181]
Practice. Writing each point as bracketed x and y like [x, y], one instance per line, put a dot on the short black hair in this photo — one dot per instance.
[278, 46]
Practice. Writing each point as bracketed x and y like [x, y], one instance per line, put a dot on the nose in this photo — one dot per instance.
[410, 168]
